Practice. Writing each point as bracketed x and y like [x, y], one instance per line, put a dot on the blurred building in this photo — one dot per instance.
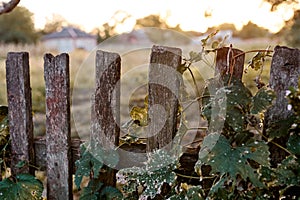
[68, 39]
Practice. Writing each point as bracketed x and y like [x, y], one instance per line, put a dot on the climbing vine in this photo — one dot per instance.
[234, 156]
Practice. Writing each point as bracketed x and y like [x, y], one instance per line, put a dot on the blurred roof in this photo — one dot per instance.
[68, 32]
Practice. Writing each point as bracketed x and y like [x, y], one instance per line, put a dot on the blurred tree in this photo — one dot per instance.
[155, 21]
[109, 29]
[292, 31]
[8, 6]
[17, 27]
[225, 26]
[164, 33]
[54, 23]
[251, 30]
[151, 21]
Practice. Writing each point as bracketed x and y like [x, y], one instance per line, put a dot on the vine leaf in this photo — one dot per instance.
[189, 192]
[195, 193]
[86, 165]
[96, 190]
[140, 115]
[24, 186]
[111, 193]
[262, 100]
[157, 171]
[217, 152]
[91, 191]
[288, 171]
[280, 128]
[257, 61]
[218, 184]
[293, 143]
[229, 102]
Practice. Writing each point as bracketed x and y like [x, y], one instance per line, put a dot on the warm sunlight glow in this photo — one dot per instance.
[196, 15]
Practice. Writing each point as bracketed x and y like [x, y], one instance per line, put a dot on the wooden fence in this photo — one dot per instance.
[57, 152]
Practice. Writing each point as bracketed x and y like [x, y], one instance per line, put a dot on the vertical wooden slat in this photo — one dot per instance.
[163, 92]
[59, 173]
[224, 57]
[285, 72]
[106, 107]
[20, 113]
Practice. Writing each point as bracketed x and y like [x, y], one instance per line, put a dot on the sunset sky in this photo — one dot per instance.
[190, 14]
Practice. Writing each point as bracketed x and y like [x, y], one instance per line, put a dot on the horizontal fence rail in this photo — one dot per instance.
[56, 153]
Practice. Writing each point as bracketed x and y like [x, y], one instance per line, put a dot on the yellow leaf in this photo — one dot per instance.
[139, 115]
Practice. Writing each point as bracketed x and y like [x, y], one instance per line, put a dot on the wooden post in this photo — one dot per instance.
[106, 108]
[20, 113]
[285, 72]
[163, 96]
[225, 59]
[59, 172]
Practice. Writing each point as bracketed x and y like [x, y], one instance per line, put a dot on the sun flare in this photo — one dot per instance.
[195, 15]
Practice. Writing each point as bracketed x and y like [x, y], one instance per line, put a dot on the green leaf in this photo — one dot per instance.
[288, 171]
[195, 193]
[280, 128]
[267, 174]
[217, 152]
[111, 193]
[159, 169]
[25, 186]
[242, 137]
[218, 184]
[91, 191]
[86, 164]
[239, 93]
[262, 100]
[229, 102]
[293, 144]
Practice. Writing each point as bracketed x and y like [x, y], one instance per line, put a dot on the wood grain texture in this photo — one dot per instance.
[285, 71]
[106, 107]
[163, 90]
[58, 131]
[20, 111]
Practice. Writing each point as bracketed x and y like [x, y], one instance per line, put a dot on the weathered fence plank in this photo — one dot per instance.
[225, 59]
[106, 108]
[56, 150]
[19, 106]
[58, 132]
[40, 150]
[285, 72]
[163, 90]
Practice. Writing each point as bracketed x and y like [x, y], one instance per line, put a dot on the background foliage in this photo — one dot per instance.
[17, 27]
